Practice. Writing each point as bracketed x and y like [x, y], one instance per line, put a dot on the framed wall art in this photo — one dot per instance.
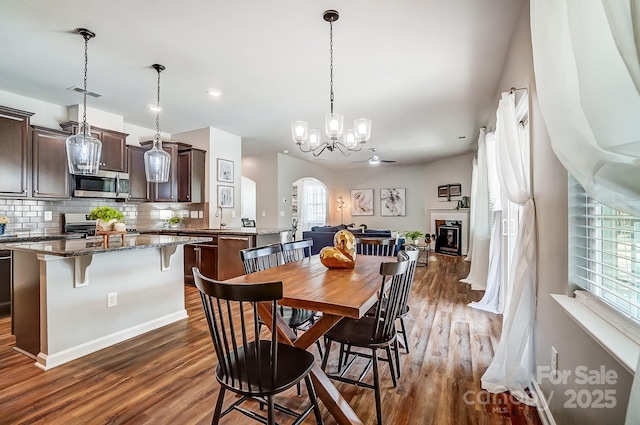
[455, 189]
[225, 196]
[392, 203]
[362, 202]
[225, 170]
[443, 191]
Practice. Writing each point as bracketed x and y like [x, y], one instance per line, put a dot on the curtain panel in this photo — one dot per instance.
[585, 56]
[512, 368]
[480, 211]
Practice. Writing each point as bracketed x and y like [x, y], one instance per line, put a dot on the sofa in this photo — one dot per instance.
[323, 236]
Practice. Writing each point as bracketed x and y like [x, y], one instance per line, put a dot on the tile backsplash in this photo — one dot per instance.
[27, 216]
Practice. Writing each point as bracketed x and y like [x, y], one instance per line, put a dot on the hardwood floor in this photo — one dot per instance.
[166, 376]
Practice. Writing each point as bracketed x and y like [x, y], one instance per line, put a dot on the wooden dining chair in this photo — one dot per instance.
[411, 254]
[372, 333]
[253, 368]
[266, 257]
[296, 250]
[376, 246]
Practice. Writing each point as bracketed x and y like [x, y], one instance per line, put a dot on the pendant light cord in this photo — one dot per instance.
[331, 61]
[158, 110]
[84, 93]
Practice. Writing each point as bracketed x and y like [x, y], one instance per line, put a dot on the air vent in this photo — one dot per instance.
[89, 92]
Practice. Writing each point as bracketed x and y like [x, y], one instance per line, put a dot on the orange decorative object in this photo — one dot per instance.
[343, 254]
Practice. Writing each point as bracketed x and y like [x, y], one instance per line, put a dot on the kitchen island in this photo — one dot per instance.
[220, 258]
[74, 297]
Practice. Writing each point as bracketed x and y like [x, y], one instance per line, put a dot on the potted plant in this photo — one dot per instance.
[105, 217]
[412, 236]
[174, 221]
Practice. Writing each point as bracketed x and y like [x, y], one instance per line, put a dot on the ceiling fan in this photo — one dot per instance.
[375, 159]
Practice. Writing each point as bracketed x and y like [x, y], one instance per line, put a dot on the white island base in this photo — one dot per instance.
[60, 303]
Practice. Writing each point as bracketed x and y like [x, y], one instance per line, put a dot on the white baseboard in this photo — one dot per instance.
[543, 408]
[48, 361]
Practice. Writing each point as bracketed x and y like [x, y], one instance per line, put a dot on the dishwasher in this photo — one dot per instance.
[5, 282]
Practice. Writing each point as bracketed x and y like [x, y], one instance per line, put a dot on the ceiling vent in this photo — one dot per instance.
[89, 92]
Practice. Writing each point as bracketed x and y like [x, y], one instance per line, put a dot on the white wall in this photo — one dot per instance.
[553, 326]
[447, 171]
[46, 114]
[249, 194]
[263, 170]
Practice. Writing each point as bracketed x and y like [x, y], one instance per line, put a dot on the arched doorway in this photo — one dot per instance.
[309, 204]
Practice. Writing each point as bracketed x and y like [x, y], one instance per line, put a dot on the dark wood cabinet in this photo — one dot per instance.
[14, 157]
[138, 187]
[50, 173]
[168, 191]
[191, 166]
[218, 259]
[114, 146]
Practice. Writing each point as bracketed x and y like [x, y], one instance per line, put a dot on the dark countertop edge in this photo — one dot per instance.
[234, 232]
[176, 240]
[14, 238]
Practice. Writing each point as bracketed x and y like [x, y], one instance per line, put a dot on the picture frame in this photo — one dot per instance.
[225, 170]
[443, 191]
[455, 189]
[362, 202]
[392, 202]
[225, 196]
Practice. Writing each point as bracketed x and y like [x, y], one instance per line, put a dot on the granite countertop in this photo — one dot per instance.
[78, 247]
[25, 237]
[228, 231]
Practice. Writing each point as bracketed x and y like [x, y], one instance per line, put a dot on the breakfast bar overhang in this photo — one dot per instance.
[75, 297]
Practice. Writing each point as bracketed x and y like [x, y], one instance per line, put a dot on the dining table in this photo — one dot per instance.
[336, 293]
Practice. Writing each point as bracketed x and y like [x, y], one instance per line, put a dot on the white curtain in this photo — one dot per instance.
[480, 210]
[472, 217]
[512, 366]
[492, 299]
[585, 57]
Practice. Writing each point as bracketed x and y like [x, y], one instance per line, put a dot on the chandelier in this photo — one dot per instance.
[346, 141]
[83, 150]
[156, 160]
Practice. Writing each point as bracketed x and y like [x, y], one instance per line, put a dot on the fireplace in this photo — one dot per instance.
[458, 218]
[449, 237]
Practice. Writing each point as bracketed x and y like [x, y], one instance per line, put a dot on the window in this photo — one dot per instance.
[315, 203]
[604, 251]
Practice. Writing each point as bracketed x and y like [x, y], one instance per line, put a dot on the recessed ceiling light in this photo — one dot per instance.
[214, 92]
[155, 108]
[285, 151]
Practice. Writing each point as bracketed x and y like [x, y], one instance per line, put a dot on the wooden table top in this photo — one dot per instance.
[308, 284]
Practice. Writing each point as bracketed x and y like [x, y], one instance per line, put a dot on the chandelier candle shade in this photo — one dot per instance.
[83, 150]
[346, 141]
[156, 160]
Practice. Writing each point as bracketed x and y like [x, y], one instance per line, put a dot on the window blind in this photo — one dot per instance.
[604, 251]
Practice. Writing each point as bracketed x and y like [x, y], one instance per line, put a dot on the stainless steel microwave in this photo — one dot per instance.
[104, 184]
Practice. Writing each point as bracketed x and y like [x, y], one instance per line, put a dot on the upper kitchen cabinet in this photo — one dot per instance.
[114, 146]
[138, 187]
[14, 139]
[50, 173]
[191, 165]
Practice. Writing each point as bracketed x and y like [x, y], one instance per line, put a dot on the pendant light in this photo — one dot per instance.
[346, 141]
[83, 150]
[157, 161]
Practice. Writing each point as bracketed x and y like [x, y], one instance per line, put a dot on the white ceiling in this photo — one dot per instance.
[425, 71]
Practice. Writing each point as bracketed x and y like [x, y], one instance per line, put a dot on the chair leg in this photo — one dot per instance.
[270, 410]
[319, 347]
[405, 335]
[376, 386]
[392, 366]
[397, 354]
[216, 412]
[312, 396]
[327, 348]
